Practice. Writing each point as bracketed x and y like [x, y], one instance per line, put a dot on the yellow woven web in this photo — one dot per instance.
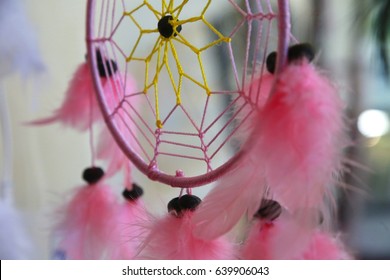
[165, 46]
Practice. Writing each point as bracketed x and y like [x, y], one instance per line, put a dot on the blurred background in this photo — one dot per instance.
[351, 42]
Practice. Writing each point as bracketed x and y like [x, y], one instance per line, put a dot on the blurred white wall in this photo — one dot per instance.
[47, 160]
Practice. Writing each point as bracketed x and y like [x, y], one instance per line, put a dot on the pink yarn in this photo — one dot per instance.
[171, 238]
[86, 226]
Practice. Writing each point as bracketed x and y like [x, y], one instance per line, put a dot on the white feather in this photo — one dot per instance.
[18, 46]
[15, 243]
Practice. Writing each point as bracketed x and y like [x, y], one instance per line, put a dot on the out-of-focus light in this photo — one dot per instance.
[373, 123]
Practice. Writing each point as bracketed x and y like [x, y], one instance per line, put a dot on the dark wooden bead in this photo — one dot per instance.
[134, 193]
[92, 175]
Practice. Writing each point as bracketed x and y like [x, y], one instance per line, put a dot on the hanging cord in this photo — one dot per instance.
[91, 131]
[7, 160]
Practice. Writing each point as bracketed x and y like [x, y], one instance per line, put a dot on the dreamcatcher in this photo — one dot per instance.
[271, 137]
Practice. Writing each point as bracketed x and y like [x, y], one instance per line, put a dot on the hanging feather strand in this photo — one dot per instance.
[301, 136]
[85, 229]
[81, 95]
[129, 216]
[172, 238]
[285, 238]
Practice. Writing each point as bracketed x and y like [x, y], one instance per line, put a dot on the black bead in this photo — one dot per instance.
[295, 53]
[106, 67]
[179, 205]
[271, 62]
[300, 51]
[93, 174]
[134, 193]
[174, 206]
[165, 28]
[269, 210]
[189, 202]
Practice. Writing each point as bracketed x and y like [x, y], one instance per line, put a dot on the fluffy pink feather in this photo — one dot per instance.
[282, 239]
[296, 149]
[85, 228]
[325, 247]
[129, 216]
[171, 238]
[79, 100]
[260, 88]
[300, 137]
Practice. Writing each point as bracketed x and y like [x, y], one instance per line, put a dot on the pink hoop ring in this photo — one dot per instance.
[149, 168]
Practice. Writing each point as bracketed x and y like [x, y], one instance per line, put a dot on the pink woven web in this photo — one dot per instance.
[197, 139]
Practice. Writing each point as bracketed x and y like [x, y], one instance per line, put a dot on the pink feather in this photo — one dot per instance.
[300, 137]
[235, 194]
[126, 242]
[259, 90]
[79, 100]
[295, 151]
[85, 229]
[325, 247]
[171, 238]
[283, 239]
